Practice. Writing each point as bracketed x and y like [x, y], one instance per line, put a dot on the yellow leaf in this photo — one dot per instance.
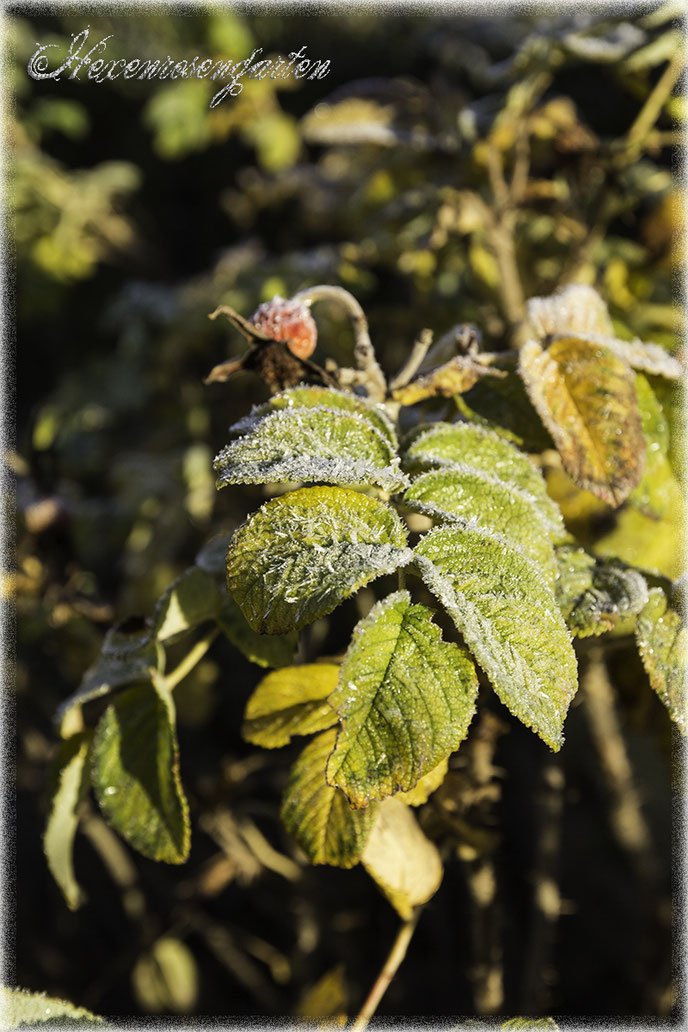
[454, 377]
[403, 862]
[291, 701]
[422, 791]
[585, 396]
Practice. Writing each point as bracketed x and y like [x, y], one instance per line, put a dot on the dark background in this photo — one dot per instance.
[137, 211]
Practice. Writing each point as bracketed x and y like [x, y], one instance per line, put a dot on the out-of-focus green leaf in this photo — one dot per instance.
[471, 497]
[71, 768]
[585, 396]
[659, 492]
[124, 659]
[594, 594]
[300, 555]
[308, 444]
[165, 977]
[318, 816]
[267, 650]
[475, 447]
[20, 1007]
[192, 599]
[662, 639]
[135, 773]
[291, 701]
[327, 998]
[400, 859]
[405, 699]
[323, 397]
[510, 621]
[646, 542]
[659, 50]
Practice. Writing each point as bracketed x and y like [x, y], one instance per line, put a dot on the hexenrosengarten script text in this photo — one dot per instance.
[296, 65]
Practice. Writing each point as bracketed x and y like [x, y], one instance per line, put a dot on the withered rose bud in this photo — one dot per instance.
[290, 321]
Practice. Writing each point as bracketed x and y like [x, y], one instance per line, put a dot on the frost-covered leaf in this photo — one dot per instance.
[400, 859]
[318, 816]
[454, 377]
[574, 310]
[475, 447]
[267, 650]
[510, 621]
[662, 638]
[135, 773]
[300, 555]
[594, 594]
[310, 445]
[291, 701]
[71, 770]
[647, 358]
[124, 659]
[528, 1024]
[428, 784]
[192, 599]
[305, 396]
[405, 699]
[585, 395]
[475, 498]
[20, 1007]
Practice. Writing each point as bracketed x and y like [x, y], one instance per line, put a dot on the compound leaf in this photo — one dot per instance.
[477, 448]
[400, 859]
[322, 397]
[300, 555]
[189, 601]
[405, 699]
[291, 701]
[585, 396]
[594, 594]
[510, 621]
[71, 770]
[311, 444]
[473, 497]
[318, 816]
[266, 650]
[662, 639]
[135, 773]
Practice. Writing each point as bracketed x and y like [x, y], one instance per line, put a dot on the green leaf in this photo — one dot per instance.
[474, 498]
[594, 594]
[426, 785]
[266, 650]
[659, 492]
[309, 445]
[585, 395]
[475, 447]
[135, 773]
[300, 555]
[503, 404]
[405, 699]
[288, 702]
[323, 397]
[510, 621]
[71, 770]
[124, 659]
[318, 816]
[400, 859]
[662, 639]
[20, 1007]
[192, 599]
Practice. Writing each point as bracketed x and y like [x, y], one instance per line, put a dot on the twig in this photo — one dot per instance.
[627, 819]
[413, 362]
[649, 113]
[370, 374]
[547, 900]
[388, 971]
[190, 660]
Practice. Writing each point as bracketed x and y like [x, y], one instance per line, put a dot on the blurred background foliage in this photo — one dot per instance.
[135, 211]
